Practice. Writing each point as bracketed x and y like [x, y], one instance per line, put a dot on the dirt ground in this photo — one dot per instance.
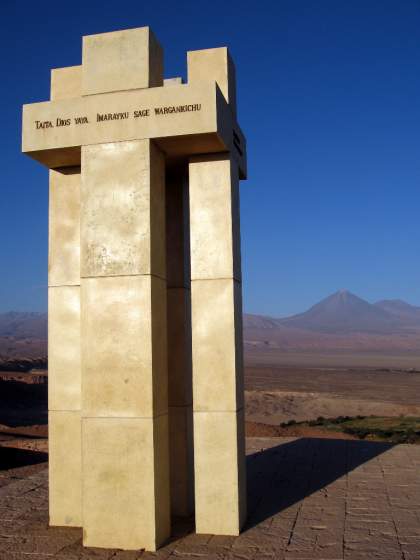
[276, 394]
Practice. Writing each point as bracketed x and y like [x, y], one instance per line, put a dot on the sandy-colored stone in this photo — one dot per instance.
[216, 350]
[114, 131]
[220, 481]
[64, 369]
[123, 210]
[126, 482]
[214, 64]
[124, 346]
[205, 123]
[214, 218]
[64, 228]
[181, 460]
[66, 83]
[177, 228]
[179, 347]
[65, 458]
[121, 60]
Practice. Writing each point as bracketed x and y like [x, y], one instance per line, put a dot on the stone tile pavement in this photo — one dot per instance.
[309, 499]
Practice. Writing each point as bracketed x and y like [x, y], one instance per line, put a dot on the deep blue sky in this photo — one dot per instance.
[329, 99]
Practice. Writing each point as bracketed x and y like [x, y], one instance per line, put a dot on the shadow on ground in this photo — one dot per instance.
[12, 458]
[281, 476]
[23, 404]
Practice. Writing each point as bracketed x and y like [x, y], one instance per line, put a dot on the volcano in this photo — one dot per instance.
[344, 312]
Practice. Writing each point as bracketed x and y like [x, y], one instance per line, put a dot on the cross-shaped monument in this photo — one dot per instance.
[145, 315]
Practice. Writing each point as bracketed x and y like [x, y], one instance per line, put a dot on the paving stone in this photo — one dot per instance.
[308, 499]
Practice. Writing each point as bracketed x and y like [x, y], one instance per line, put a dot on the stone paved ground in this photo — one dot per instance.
[308, 499]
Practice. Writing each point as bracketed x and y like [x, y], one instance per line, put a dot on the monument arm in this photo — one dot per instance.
[183, 120]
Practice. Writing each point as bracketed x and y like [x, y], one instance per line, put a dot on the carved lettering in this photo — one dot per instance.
[141, 113]
[111, 116]
[43, 124]
[102, 117]
[62, 122]
[177, 109]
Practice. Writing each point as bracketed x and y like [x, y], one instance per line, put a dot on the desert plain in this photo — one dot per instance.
[316, 489]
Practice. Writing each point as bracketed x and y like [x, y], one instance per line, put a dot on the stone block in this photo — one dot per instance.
[214, 218]
[65, 468]
[214, 65]
[64, 228]
[123, 210]
[217, 352]
[124, 357]
[126, 482]
[220, 477]
[121, 60]
[66, 83]
[179, 346]
[181, 460]
[177, 229]
[64, 368]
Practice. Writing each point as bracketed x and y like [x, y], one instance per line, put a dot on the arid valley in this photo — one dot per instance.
[327, 395]
[343, 357]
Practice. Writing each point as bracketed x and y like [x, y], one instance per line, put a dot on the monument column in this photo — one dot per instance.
[123, 320]
[110, 133]
[216, 298]
[179, 342]
[64, 372]
[219, 453]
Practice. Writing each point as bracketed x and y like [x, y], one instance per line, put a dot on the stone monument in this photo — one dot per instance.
[145, 316]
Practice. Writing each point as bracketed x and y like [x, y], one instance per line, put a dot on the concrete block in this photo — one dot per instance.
[64, 228]
[126, 482]
[124, 357]
[220, 477]
[217, 351]
[121, 60]
[65, 468]
[123, 210]
[64, 366]
[214, 218]
[181, 455]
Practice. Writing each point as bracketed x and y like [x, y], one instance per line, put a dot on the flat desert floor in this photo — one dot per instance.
[279, 390]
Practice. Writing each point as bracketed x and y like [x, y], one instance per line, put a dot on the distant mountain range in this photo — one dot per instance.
[23, 335]
[345, 313]
[23, 324]
[340, 322]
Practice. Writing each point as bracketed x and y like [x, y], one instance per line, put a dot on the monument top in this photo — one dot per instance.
[119, 94]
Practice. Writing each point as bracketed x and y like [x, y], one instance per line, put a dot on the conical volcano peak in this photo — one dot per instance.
[344, 294]
[343, 312]
[340, 299]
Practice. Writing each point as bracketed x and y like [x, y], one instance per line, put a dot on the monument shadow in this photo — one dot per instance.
[12, 458]
[23, 404]
[281, 476]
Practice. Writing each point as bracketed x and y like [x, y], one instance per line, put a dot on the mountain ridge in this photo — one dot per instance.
[340, 322]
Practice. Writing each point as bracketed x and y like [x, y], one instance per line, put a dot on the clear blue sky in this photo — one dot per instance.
[329, 98]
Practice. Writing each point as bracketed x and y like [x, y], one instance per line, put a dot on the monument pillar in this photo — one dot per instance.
[124, 360]
[179, 342]
[219, 455]
[216, 297]
[123, 270]
[64, 368]
[144, 249]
